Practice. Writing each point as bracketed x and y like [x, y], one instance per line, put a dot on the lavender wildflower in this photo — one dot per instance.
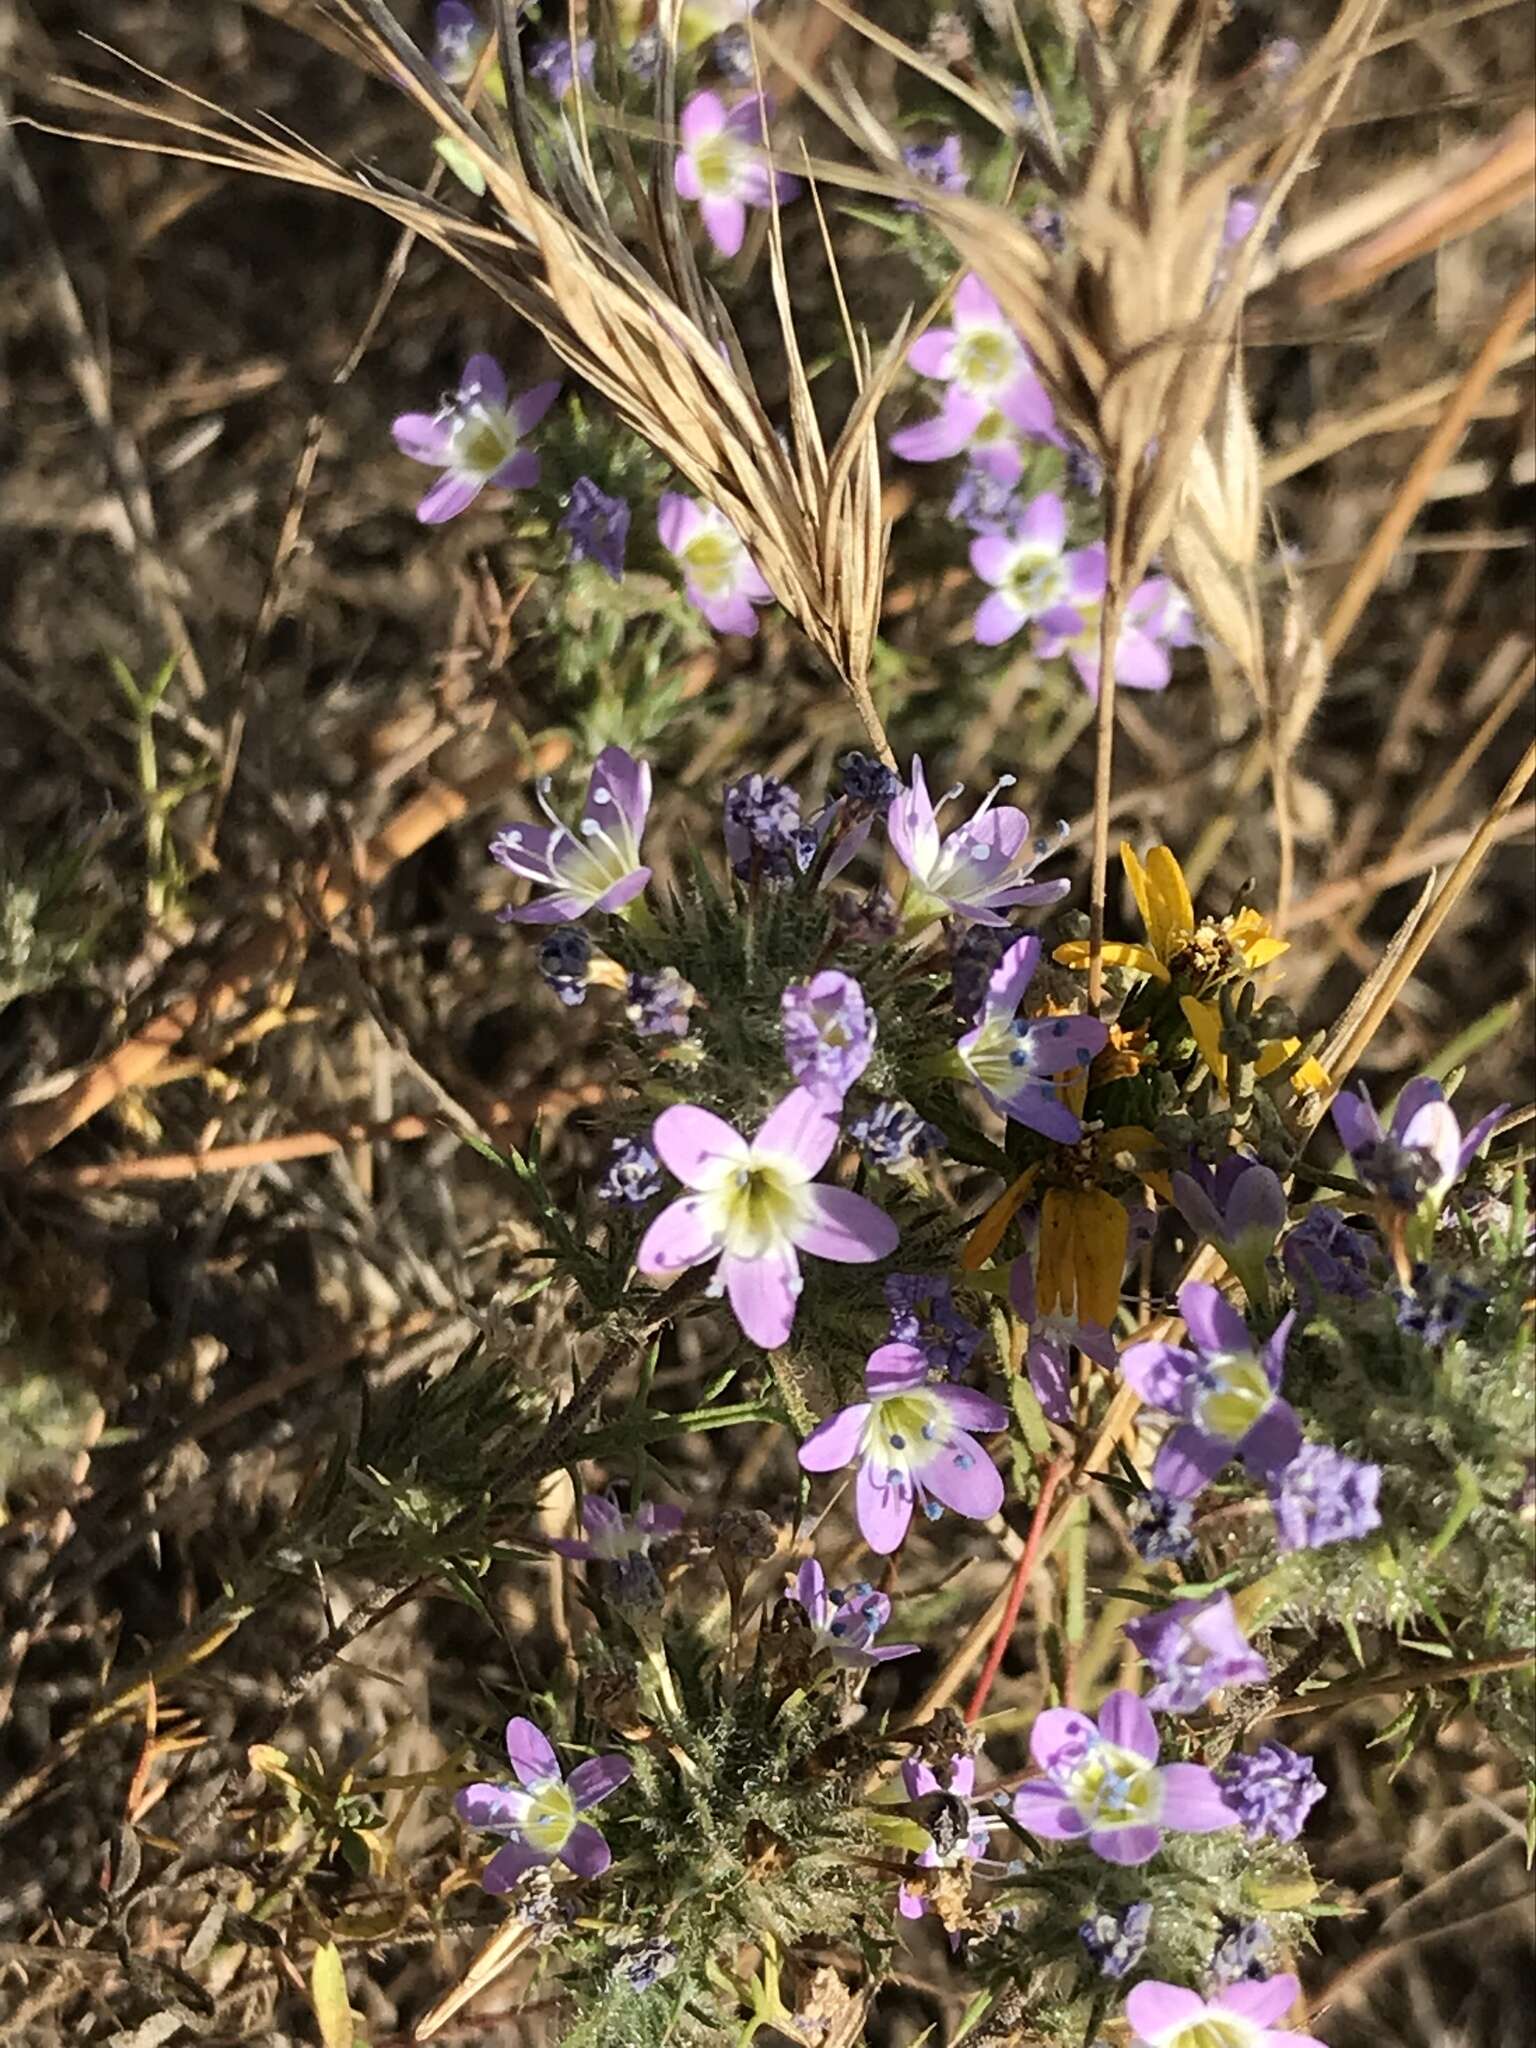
[829, 1034]
[1116, 1941]
[1272, 1791]
[985, 502]
[762, 819]
[1240, 1207]
[976, 872]
[1417, 1158]
[564, 957]
[1034, 575]
[457, 40]
[1021, 1064]
[1436, 1305]
[1324, 1255]
[541, 1813]
[1239, 2016]
[1324, 1497]
[632, 1176]
[1195, 1648]
[1161, 1526]
[553, 65]
[894, 1136]
[597, 526]
[720, 579]
[657, 1005]
[845, 1621]
[597, 867]
[473, 439]
[940, 164]
[723, 164]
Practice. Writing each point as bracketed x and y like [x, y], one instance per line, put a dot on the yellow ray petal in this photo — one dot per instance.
[1055, 1275]
[1136, 875]
[1204, 1021]
[988, 1234]
[1172, 910]
[1140, 959]
[1102, 1229]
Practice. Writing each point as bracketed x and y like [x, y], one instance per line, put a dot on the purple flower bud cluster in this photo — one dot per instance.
[1272, 1791]
[564, 957]
[866, 786]
[1435, 1307]
[658, 1004]
[643, 1964]
[1162, 1528]
[894, 1136]
[940, 164]
[1116, 1939]
[974, 951]
[762, 827]
[923, 1314]
[632, 1175]
[597, 527]
[1324, 1497]
[1242, 1952]
[1325, 1255]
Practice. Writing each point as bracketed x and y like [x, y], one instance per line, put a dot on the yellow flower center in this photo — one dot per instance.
[1209, 2033]
[901, 1426]
[481, 443]
[1207, 953]
[711, 559]
[550, 1819]
[759, 1207]
[983, 359]
[714, 163]
[1116, 1788]
[1237, 1394]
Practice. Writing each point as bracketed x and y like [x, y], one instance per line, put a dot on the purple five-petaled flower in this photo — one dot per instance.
[1052, 1338]
[1195, 1647]
[1238, 2016]
[992, 385]
[845, 1621]
[1420, 1154]
[829, 1034]
[596, 868]
[1157, 617]
[473, 438]
[1225, 1391]
[1032, 577]
[754, 1205]
[616, 1538]
[1103, 1782]
[457, 40]
[720, 578]
[1324, 1497]
[957, 1834]
[911, 1438]
[723, 164]
[976, 872]
[1019, 1063]
[541, 1813]
[940, 164]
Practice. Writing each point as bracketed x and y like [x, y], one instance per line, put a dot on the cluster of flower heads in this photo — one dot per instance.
[750, 1183]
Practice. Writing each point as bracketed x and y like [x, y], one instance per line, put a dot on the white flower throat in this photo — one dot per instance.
[756, 1208]
[549, 1820]
[1234, 1392]
[1116, 1788]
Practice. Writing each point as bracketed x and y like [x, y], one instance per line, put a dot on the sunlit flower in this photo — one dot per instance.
[616, 1538]
[754, 1206]
[977, 871]
[1032, 577]
[1019, 1063]
[1157, 617]
[719, 577]
[911, 1438]
[597, 868]
[1240, 2016]
[542, 1811]
[1224, 1389]
[988, 371]
[473, 438]
[1421, 1154]
[723, 164]
[1195, 953]
[1322, 1496]
[1195, 1648]
[845, 1621]
[1103, 1783]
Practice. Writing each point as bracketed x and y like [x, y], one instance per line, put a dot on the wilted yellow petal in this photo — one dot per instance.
[1136, 875]
[1102, 1231]
[1308, 1075]
[1055, 1275]
[1173, 913]
[1140, 959]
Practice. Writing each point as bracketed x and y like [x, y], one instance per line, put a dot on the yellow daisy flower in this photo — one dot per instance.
[1197, 951]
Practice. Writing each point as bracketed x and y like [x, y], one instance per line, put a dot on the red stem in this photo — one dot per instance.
[1021, 1577]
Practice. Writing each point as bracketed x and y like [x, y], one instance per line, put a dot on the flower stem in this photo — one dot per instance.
[1056, 1472]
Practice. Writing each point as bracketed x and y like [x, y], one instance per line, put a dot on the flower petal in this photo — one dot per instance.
[702, 117]
[1192, 1801]
[585, 1851]
[1124, 1719]
[1272, 1442]
[530, 406]
[1211, 1319]
[893, 1368]
[763, 1293]
[484, 378]
[964, 1478]
[1060, 1732]
[997, 619]
[846, 1227]
[520, 472]
[800, 1133]
[1355, 1120]
[1126, 1845]
[702, 1149]
[1041, 1809]
[596, 1778]
[1043, 523]
[1189, 1460]
[1158, 1373]
[508, 1865]
[500, 1808]
[883, 1508]
[835, 1442]
[683, 1235]
[725, 222]
[448, 497]
[531, 1756]
[678, 520]
[930, 355]
[971, 1410]
[1262, 2000]
[424, 436]
[1156, 2009]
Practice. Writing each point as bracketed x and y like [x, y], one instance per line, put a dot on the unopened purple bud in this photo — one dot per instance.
[1242, 1951]
[457, 40]
[564, 957]
[866, 786]
[657, 1005]
[762, 818]
[923, 1314]
[974, 951]
[984, 503]
[1085, 472]
[940, 164]
[893, 1135]
[1115, 1941]
[1047, 227]
[1272, 1791]
[1325, 1255]
[597, 526]
[632, 1175]
[644, 55]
